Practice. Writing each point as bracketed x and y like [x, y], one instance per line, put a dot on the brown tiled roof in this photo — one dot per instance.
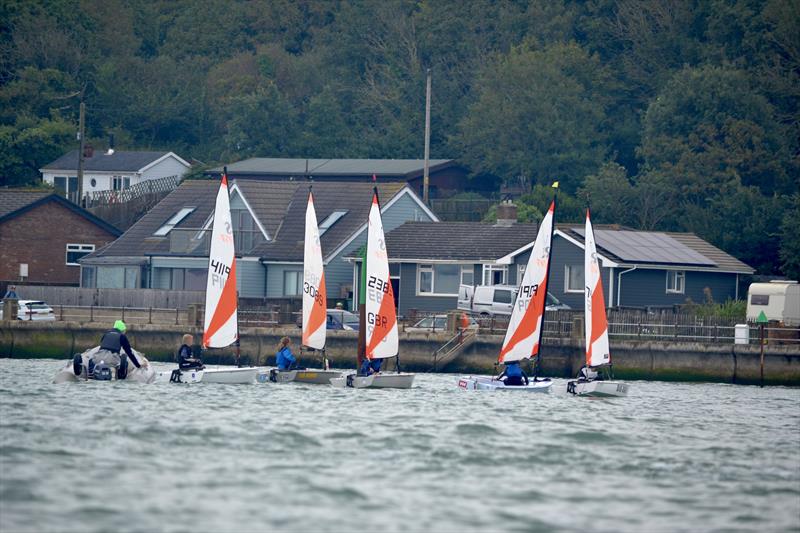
[279, 206]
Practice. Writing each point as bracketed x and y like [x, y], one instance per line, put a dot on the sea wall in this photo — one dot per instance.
[664, 361]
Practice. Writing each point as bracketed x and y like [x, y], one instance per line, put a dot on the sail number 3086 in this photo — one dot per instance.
[313, 292]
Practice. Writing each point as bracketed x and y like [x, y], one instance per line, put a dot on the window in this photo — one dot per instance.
[520, 273]
[66, 185]
[759, 299]
[438, 279]
[467, 275]
[118, 183]
[87, 277]
[675, 281]
[495, 275]
[330, 221]
[117, 277]
[292, 281]
[501, 297]
[76, 251]
[573, 278]
[173, 221]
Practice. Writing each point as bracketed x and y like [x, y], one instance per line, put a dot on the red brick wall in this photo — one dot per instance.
[39, 237]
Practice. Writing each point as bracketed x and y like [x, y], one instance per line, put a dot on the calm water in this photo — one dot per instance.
[128, 457]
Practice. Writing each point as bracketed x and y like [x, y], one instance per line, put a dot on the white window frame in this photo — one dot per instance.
[173, 221]
[567, 288]
[489, 268]
[72, 247]
[679, 278]
[430, 267]
[120, 183]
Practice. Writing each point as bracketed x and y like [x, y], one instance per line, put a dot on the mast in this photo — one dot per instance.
[538, 362]
[314, 296]
[596, 322]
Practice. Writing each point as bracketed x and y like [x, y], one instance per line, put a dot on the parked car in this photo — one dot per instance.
[33, 310]
[490, 300]
[436, 323]
[342, 320]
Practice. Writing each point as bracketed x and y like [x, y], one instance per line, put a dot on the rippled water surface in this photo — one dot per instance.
[123, 456]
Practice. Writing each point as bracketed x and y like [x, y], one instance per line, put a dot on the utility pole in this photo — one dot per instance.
[81, 138]
[425, 176]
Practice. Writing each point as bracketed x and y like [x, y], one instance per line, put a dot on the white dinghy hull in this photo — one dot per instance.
[598, 388]
[487, 383]
[138, 375]
[310, 376]
[400, 380]
[180, 376]
[230, 376]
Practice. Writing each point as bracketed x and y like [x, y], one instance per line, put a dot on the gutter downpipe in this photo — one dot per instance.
[619, 281]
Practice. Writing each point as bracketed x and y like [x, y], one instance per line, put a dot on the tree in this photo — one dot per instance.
[790, 239]
[539, 114]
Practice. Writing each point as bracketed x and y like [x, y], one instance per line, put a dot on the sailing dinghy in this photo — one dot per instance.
[314, 307]
[380, 335]
[221, 327]
[524, 333]
[598, 354]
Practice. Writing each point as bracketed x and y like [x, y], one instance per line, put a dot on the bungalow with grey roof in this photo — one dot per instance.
[447, 177]
[111, 170]
[639, 268]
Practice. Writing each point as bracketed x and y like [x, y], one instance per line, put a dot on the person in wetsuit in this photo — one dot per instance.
[284, 359]
[111, 343]
[587, 373]
[513, 374]
[186, 357]
[370, 366]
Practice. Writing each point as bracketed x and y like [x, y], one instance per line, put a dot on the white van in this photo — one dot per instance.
[490, 300]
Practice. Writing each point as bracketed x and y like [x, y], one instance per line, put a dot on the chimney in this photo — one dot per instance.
[110, 144]
[506, 213]
[88, 151]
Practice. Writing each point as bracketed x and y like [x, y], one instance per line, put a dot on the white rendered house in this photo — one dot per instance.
[111, 170]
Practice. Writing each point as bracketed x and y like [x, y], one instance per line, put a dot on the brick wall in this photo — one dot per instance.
[39, 237]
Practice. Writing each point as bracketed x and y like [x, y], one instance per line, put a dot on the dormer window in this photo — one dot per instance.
[173, 221]
[332, 219]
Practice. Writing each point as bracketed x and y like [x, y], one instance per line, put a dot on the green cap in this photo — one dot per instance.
[120, 325]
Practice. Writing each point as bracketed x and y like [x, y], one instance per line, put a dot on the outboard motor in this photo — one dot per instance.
[103, 372]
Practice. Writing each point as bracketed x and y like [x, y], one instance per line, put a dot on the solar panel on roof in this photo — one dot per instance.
[650, 247]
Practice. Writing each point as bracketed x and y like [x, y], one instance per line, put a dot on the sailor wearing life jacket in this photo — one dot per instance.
[186, 358]
[284, 359]
[111, 343]
[514, 375]
[587, 373]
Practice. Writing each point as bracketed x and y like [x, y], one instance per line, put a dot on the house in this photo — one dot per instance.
[168, 247]
[446, 177]
[111, 170]
[639, 268]
[43, 235]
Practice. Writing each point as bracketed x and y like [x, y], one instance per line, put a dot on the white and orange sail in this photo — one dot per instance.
[381, 317]
[220, 324]
[314, 299]
[524, 332]
[596, 322]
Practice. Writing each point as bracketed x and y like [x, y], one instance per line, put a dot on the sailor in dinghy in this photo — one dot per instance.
[314, 312]
[590, 380]
[525, 327]
[378, 335]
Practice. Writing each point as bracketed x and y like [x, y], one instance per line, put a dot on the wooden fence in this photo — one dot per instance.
[85, 297]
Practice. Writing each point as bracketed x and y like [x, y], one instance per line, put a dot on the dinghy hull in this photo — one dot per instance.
[180, 376]
[310, 376]
[230, 376]
[486, 383]
[375, 381]
[598, 389]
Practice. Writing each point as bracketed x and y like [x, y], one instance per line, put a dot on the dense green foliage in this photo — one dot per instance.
[670, 114]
